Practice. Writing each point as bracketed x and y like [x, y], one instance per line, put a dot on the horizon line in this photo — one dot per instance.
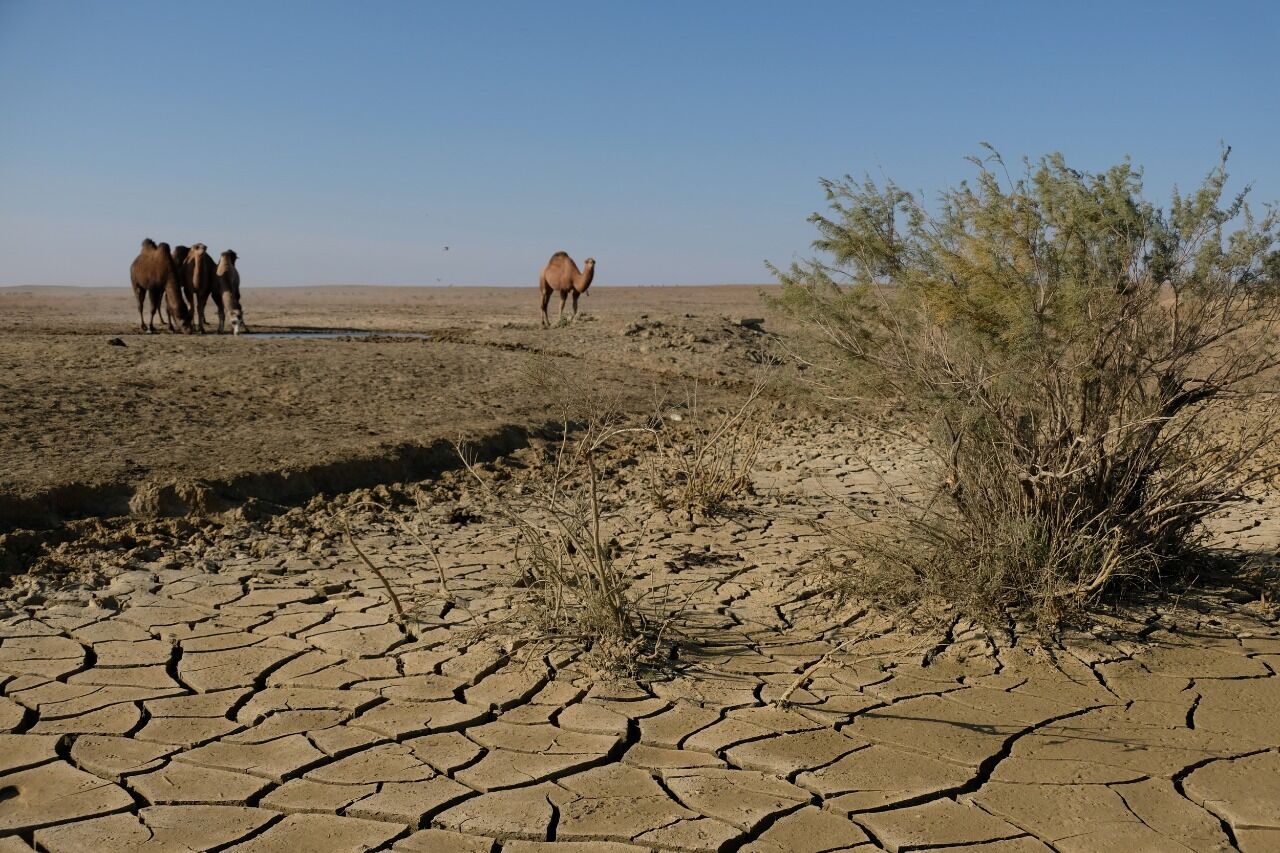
[403, 286]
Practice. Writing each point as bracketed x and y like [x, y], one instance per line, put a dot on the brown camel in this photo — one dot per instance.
[561, 274]
[153, 275]
[179, 258]
[200, 281]
[229, 286]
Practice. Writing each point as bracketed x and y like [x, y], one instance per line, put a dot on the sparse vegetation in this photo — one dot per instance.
[569, 556]
[1077, 361]
[703, 461]
[373, 509]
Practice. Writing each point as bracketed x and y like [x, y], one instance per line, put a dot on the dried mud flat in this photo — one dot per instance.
[240, 683]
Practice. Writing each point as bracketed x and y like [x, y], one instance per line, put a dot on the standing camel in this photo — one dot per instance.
[561, 274]
[229, 287]
[179, 258]
[153, 275]
[200, 281]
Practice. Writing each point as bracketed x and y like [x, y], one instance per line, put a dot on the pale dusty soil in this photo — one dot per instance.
[239, 682]
[89, 428]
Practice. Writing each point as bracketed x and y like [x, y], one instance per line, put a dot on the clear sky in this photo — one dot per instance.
[675, 142]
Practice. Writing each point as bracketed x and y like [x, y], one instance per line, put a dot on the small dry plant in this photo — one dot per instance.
[576, 573]
[703, 462]
[1077, 363]
[404, 617]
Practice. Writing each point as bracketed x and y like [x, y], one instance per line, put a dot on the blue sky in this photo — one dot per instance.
[674, 142]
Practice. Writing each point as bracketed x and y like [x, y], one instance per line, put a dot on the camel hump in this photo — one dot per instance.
[559, 255]
[148, 243]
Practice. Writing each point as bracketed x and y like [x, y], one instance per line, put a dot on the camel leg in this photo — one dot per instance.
[188, 296]
[222, 310]
[203, 298]
[546, 297]
[575, 306]
[142, 298]
[155, 309]
[166, 316]
[564, 296]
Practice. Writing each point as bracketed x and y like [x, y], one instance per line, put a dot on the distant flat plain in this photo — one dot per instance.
[79, 410]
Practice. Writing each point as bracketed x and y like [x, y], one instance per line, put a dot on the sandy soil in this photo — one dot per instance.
[237, 679]
[111, 311]
[90, 428]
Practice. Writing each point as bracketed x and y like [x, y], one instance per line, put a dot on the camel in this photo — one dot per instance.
[229, 285]
[153, 275]
[179, 257]
[200, 281]
[561, 274]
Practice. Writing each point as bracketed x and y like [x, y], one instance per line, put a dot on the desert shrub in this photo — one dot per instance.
[1075, 361]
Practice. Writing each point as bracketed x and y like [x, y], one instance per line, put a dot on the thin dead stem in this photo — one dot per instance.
[386, 584]
[375, 506]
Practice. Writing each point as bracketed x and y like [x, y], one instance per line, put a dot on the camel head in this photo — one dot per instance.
[588, 273]
[237, 321]
[227, 264]
[178, 308]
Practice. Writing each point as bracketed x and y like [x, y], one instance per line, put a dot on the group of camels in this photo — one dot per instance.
[183, 280]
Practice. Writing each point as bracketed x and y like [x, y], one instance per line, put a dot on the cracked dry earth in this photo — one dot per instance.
[251, 691]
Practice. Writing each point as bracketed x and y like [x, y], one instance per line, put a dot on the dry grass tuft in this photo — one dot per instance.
[404, 617]
[702, 462]
[572, 557]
